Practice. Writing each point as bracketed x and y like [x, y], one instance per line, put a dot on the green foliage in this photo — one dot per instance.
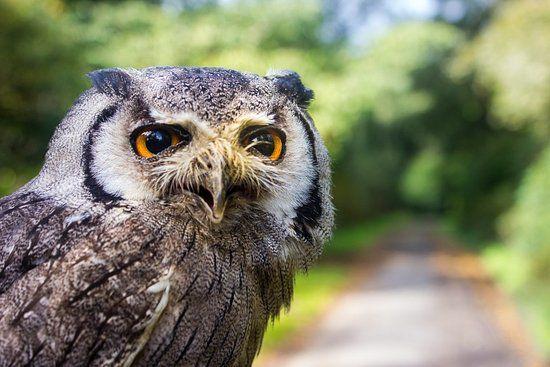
[481, 174]
[405, 106]
[512, 270]
[38, 79]
[511, 60]
[389, 113]
[422, 181]
[526, 227]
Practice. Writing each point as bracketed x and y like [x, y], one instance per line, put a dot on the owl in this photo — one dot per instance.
[174, 207]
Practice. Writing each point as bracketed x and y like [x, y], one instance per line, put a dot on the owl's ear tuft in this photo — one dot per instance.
[112, 82]
[290, 84]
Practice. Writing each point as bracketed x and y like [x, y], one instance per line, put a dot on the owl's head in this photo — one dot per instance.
[218, 141]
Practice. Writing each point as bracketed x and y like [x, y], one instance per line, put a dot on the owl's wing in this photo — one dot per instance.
[21, 218]
[26, 220]
[92, 293]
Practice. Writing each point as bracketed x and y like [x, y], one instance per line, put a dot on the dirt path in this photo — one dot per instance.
[408, 312]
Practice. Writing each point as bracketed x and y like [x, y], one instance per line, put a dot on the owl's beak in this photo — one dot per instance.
[213, 194]
[218, 206]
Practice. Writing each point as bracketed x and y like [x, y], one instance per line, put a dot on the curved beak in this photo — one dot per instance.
[217, 206]
[211, 190]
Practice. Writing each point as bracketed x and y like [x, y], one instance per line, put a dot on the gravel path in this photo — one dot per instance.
[407, 313]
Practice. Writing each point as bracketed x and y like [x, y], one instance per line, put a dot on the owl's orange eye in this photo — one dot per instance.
[268, 142]
[153, 140]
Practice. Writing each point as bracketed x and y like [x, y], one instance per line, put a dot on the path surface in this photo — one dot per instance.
[407, 313]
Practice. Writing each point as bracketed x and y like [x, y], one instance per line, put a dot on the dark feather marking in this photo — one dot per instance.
[229, 356]
[8, 199]
[167, 342]
[134, 330]
[95, 188]
[166, 346]
[188, 288]
[10, 255]
[119, 355]
[178, 321]
[263, 284]
[27, 263]
[215, 260]
[132, 333]
[22, 205]
[218, 322]
[229, 305]
[112, 82]
[211, 286]
[94, 350]
[6, 264]
[155, 357]
[220, 283]
[101, 280]
[224, 339]
[220, 347]
[209, 341]
[44, 220]
[12, 362]
[33, 301]
[88, 222]
[309, 213]
[35, 353]
[186, 348]
[132, 260]
[283, 285]
[209, 359]
[84, 222]
[241, 277]
[231, 258]
[192, 241]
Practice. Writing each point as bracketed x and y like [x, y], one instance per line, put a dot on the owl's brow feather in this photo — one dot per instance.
[184, 119]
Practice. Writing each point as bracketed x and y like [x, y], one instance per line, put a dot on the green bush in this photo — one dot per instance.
[526, 227]
[422, 184]
[40, 75]
[511, 60]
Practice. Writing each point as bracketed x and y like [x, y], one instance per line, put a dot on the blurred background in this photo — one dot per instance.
[430, 108]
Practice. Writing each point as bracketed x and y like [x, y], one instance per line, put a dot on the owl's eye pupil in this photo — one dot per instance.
[158, 140]
[264, 141]
[263, 144]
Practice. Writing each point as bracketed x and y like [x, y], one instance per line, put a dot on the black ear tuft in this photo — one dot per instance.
[113, 82]
[289, 83]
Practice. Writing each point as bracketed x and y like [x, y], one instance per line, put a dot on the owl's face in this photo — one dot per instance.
[212, 141]
[219, 167]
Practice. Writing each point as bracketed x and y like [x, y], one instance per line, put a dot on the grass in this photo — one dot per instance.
[315, 291]
[313, 294]
[511, 272]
